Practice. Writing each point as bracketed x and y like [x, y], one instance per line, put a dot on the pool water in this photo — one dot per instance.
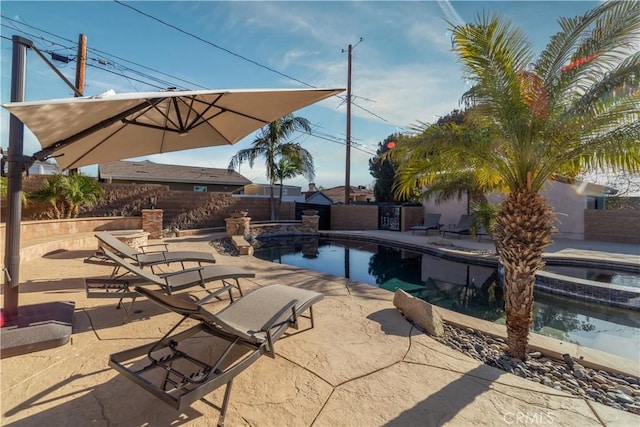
[462, 287]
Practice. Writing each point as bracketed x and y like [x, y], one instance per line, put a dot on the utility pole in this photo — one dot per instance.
[81, 61]
[81, 65]
[347, 175]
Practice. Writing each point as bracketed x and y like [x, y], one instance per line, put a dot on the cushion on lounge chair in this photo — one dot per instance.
[463, 226]
[431, 222]
[120, 287]
[179, 373]
[151, 258]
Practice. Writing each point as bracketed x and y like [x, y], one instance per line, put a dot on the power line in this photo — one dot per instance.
[101, 61]
[237, 55]
[165, 74]
[230, 52]
[74, 45]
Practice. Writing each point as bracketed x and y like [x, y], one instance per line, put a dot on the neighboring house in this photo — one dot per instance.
[313, 196]
[180, 178]
[568, 198]
[356, 194]
[43, 168]
[290, 193]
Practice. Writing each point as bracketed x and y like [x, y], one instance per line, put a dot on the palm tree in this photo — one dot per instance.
[288, 168]
[574, 108]
[51, 191]
[271, 143]
[80, 190]
[66, 193]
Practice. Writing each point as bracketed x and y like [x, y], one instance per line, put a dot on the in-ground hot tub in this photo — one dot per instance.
[132, 238]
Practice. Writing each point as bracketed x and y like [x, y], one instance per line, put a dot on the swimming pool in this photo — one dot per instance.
[462, 287]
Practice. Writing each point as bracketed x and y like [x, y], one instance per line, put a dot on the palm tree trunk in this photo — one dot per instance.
[279, 200]
[523, 229]
[272, 202]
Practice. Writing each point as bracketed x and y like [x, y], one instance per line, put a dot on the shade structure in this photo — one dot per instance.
[84, 131]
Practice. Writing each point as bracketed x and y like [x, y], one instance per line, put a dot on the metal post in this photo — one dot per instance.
[347, 176]
[14, 187]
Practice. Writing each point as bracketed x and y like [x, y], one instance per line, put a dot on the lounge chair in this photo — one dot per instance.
[153, 257]
[179, 371]
[462, 228]
[121, 287]
[431, 222]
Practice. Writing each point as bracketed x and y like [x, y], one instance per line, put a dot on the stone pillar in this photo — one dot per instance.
[238, 227]
[310, 223]
[152, 222]
[310, 248]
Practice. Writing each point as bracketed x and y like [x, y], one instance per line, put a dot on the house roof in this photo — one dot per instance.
[337, 193]
[148, 171]
[309, 195]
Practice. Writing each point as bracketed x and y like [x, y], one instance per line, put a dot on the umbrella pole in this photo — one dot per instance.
[14, 187]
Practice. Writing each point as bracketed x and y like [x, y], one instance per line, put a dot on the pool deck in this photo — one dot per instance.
[362, 365]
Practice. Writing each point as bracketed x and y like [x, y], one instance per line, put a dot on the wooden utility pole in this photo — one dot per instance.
[81, 65]
[347, 175]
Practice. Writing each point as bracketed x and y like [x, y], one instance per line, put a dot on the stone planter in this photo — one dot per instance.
[310, 212]
[239, 214]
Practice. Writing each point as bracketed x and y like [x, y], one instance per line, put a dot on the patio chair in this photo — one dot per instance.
[431, 222]
[462, 228]
[153, 257]
[179, 371]
[121, 287]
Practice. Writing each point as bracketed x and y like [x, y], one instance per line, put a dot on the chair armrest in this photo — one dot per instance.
[272, 322]
[166, 247]
[186, 270]
[214, 294]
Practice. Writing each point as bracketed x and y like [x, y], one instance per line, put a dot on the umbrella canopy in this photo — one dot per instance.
[85, 131]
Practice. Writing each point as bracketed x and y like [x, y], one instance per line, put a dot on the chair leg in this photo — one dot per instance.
[225, 404]
[238, 286]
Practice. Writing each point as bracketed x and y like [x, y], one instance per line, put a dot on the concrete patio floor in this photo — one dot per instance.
[362, 365]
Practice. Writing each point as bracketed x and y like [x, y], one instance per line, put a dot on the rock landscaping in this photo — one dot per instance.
[608, 388]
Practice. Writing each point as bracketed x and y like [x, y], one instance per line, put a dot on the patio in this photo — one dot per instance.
[362, 365]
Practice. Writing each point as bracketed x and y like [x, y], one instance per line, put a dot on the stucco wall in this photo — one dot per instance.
[450, 210]
[566, 200]
[569, 206]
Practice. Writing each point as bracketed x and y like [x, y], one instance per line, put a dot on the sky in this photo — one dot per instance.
[403, 70]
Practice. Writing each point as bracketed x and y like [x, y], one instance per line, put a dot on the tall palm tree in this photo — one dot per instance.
[574, 108]
[288, 168]
[271, 143]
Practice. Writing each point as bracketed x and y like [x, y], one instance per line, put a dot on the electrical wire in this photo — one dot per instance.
[101, 61]
[244, 58]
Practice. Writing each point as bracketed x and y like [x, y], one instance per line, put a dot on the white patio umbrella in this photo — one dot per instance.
[89, 130]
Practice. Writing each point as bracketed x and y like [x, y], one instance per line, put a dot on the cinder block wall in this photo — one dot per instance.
[621, 226]
[354, 217]
[412, 215]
